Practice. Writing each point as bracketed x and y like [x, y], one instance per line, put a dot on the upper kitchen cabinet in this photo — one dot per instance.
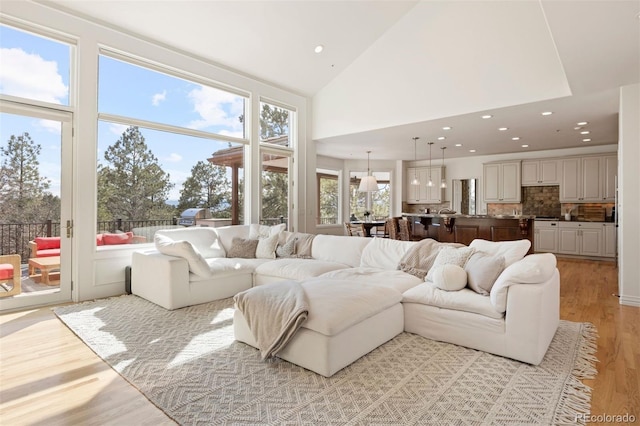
[502, 182]
[423, 194]
[540, 172]
[588, 179]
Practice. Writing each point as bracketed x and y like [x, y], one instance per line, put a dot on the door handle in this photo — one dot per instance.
[69, 228]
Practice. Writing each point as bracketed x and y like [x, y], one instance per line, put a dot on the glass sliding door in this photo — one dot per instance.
[36, 226]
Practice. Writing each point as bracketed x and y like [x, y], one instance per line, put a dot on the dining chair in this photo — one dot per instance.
[405, 230]
[355, 229]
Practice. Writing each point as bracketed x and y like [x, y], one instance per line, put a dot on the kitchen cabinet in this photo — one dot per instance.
[502, 182]
[588, 179]
[540, 172]
[423, 194]
[580, 238]
[609, 240]
[546, 236]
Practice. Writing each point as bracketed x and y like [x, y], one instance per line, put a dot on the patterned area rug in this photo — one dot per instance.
[187, 363]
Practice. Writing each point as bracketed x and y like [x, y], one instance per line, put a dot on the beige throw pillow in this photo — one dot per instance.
[449, 277]
[482, 271]
[243, 248]
[266, 248]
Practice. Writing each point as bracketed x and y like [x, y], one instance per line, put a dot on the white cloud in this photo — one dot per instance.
[29, 76]
[217, 108]
[159, 97]
[173, 158]
[118, 129]
[50, 126]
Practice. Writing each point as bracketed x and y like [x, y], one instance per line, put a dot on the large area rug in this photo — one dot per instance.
[187, 363]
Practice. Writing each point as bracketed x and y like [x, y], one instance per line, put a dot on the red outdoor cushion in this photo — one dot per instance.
[45, 243]
[99, 240]
[6, 271]
[111, 239]
[49, 252]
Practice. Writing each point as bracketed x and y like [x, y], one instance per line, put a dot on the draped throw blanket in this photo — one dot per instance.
[273, 312]
[419, 259]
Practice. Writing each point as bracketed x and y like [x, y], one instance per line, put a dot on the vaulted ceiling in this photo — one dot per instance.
[392, 70]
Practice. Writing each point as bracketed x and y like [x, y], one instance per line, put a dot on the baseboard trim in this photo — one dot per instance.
[630, 301]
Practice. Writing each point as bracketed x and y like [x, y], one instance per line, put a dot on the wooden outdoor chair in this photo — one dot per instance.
[10, 272]
[355, 229]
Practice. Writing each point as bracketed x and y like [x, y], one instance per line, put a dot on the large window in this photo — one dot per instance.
[275, 124]
[328, 189]
[166, 144]
[377, 203]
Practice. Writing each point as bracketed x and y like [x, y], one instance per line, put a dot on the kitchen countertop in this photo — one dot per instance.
[470, 216]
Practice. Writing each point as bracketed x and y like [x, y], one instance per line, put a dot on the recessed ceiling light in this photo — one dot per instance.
[458, 144]
[515, 138]
[487, 116]
[441, 138]
[472, 150]
[525, 146]
[586, 140]
[446, 128]
[502, 129]
[584, 132]
[319, 48]
[547, 113]
[577, 128]
[582, 123]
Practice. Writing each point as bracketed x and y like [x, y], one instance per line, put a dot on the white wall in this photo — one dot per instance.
[629, 196]
[98, 273]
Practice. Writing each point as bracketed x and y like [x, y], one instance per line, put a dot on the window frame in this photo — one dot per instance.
[331, 174]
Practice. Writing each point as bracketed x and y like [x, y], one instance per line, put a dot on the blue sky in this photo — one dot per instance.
[38, 68]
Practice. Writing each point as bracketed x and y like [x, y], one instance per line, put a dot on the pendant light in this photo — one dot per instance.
[415, 180]
[369, 182]
[443, 182]
[430, 183]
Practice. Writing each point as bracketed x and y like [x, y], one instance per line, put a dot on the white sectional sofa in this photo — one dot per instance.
[517, 319]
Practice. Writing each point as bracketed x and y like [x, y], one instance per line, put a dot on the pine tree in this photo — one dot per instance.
[209, 187]
[132, 185]
[24, 195]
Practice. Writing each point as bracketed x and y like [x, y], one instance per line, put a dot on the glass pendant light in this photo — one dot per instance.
[415, 180]
[443, 182]
[430, 183]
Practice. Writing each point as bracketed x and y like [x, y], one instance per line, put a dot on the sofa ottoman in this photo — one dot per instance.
[345, 322]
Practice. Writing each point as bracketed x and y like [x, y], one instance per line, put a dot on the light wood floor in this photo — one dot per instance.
[49, 377]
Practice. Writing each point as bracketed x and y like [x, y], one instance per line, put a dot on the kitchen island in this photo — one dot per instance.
[460, 228]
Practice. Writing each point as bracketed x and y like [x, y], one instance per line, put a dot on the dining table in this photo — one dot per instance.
[369, 224]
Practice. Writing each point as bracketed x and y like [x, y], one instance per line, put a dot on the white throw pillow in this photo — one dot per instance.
[450, 256]
[482, 271]
[512, 251]
[267, 247]
[449, 277]
[258, 232]
[184, 249]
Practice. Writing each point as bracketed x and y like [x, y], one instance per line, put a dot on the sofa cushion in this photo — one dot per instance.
[384, 253]
[46, 243]
[450, 256]
[266, 248]
[464, 300]
[449, 277]
[533, 269]
[243, 248]
[185, 250]
[482, 271]
[204, 240]
[119, 238]
[340, 249]
[49, 252]
[512, 251]
[297, 269]
[398, 280]
[221, 267]
[257, 231]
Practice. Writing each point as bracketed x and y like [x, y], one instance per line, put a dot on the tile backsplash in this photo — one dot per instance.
[541, 200]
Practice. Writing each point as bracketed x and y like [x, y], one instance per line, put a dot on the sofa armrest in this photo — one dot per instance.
[161, 279]
[532, 318]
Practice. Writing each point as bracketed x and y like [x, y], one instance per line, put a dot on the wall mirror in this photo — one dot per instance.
[464, 195]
